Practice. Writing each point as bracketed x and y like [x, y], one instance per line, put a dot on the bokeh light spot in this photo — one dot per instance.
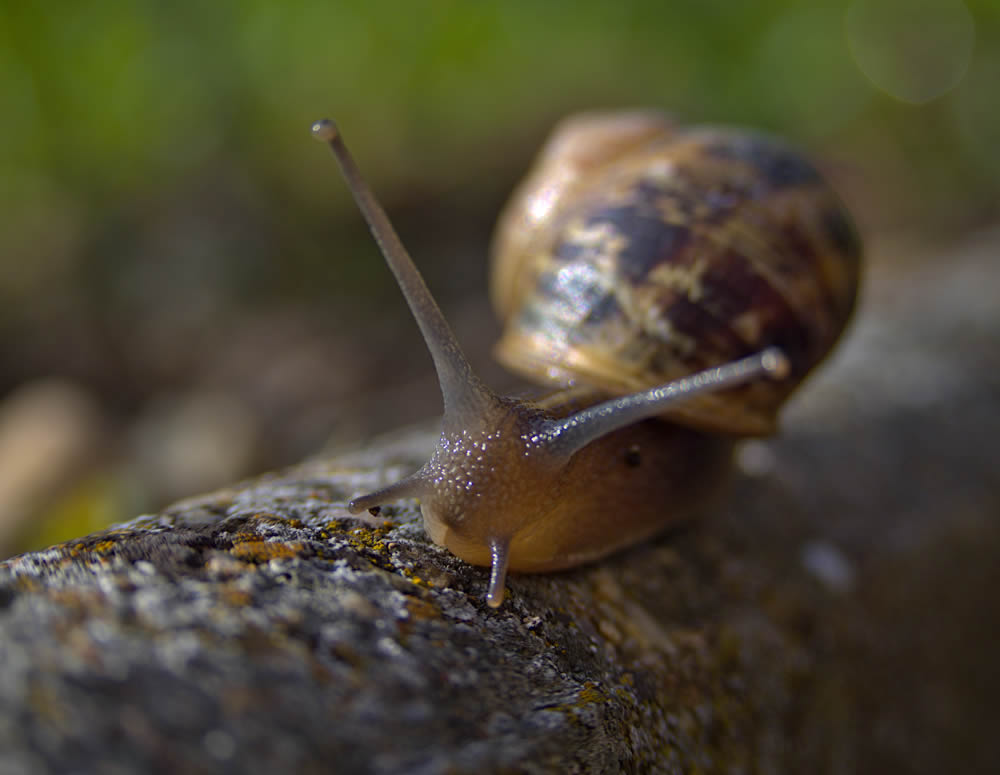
[914, 50]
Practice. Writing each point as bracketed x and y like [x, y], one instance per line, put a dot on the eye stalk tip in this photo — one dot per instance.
[775, 363]
[370, 503]
[324, 130]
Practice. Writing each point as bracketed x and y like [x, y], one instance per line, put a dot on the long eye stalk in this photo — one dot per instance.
[566, 436]
[466, 398]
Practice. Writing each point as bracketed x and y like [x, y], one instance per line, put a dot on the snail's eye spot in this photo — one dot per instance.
[633, 457]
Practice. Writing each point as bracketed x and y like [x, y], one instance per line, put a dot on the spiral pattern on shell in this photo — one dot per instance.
[638, 251]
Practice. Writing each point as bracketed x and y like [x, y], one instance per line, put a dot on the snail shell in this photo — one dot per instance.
[638, 251]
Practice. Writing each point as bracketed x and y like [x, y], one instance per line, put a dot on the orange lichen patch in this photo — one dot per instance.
[591, 694]
[421, 610]
[104, 547]
[265, 551]
[237, 598]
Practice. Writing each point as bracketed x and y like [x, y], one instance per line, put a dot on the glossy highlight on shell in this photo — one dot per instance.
[686, 249]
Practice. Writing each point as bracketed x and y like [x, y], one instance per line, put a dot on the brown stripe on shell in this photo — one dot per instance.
[673, 317]
[840, 231]
[790, 252]
[809, 254]
[644, 238]
[822, 277]
[841, 266]
[738, 296]
[776, 165]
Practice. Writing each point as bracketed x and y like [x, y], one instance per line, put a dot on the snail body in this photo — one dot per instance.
[689, 275]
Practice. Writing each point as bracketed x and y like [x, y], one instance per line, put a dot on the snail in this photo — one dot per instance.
[675, 284]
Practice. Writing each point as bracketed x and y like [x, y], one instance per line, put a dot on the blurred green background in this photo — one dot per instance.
[187, 295]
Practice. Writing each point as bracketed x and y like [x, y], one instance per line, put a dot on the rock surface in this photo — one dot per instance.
[837, 612]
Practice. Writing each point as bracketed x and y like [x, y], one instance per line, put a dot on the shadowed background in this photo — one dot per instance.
[187, 294]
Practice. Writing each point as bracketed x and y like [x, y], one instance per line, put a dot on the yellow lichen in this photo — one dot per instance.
[590, 694]
[235, 597]
[265, 551]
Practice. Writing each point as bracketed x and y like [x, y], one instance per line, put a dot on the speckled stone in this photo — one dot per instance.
[837, 611]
